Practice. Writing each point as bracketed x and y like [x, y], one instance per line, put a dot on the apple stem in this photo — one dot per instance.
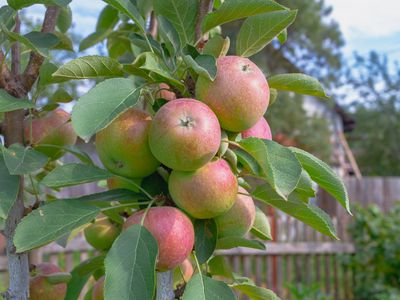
[164, 286]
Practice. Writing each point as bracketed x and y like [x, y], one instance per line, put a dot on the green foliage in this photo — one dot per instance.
[375, 143]
[130, 265]
[9, 189]
[9, 103]
[136, 65]
[376, 262]
[307, 292]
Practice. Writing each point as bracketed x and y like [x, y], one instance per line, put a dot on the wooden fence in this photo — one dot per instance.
[299, 256]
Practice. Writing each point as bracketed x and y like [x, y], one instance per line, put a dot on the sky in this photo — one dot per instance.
[366, 25]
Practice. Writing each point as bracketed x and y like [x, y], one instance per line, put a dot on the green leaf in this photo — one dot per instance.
[261, 227]
[93, 39]
[128, 8]
[298, 83]
[74, 174]
[64, 20]
[120, 195]
[217, 46]
[255, 292]
[273, 94]
[102, 104]
[85, 67]
[219, 266]
[50, 222]
[322, 174]
[10, 103]
[20, 160]
[7, 17]
[205, 288]
[238, 241]
[203, 65]
[18, 4]
[45, 74]
[9, 189]
[279, 166]
[182, 14]
[205, 239]
[130, 265]
[65, 42]
[257, 31]
[61, 96]
[282, 37]
[81, 274]
[169, 35]
[157, 69]
[108, 19]
[232, 10]
[36, 41]
[304, 189]
[307, 213]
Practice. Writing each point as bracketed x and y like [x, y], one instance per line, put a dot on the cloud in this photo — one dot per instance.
[367, 17]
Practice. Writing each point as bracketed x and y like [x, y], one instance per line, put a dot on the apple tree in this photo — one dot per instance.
[178, 126]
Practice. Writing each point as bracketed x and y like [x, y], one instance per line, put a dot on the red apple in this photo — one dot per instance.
[123, 145]
[205, 193]
[239, 219]
[41, 289]
[185, 134]
[101, 234]
[260, 130]
[183, 273]
[53, 129]
[165, 92]
[173, 231]
[98, 289]
[239, 95]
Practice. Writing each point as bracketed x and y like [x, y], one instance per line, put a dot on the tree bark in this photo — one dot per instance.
[165, 282]
[205, 7]
[13, 130]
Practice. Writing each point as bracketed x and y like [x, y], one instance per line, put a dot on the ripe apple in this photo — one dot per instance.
[183, 272]
[98, 289]
[119, 183]
[260, 130]
[173, 231]
[239, 219]
[53, 129]
[239, 95]
[205, 193]
[185, 134]
[101, 234]
[40, 288]
[165, 92]
[123, 145]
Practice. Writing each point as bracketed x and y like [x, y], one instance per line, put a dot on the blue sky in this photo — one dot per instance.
[367, 25]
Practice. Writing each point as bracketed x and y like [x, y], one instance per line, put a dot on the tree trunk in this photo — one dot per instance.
[165, 282]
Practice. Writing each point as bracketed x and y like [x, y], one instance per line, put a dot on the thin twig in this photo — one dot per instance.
[31, 72]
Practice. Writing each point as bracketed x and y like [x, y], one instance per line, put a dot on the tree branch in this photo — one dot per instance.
[204, 8]
[153, 25]
[4, 71]
[16, 50]
[31, 72]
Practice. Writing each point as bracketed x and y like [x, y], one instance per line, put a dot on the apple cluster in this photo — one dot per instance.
[184, 138]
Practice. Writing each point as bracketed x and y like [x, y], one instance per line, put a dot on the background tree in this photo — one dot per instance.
[374, 88]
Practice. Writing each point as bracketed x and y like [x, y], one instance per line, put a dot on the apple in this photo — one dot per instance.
[123, 145]
[101, 234]
[183, 273]
[41, 288]
[260, 130]
[239, 95]
[185, 134]
[53, 129]
[165, 92]
[239, 219]
[119, 183]
[98, 289]
[173, 231]
[205, 193]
